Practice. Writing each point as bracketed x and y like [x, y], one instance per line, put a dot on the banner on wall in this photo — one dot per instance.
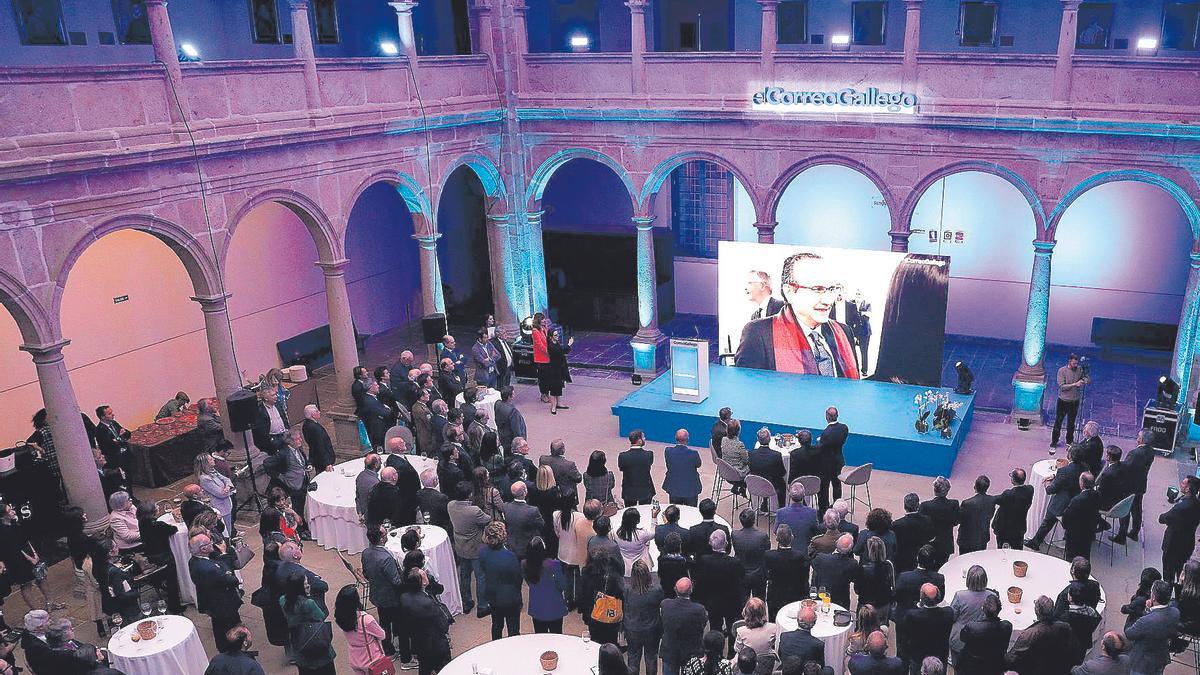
[846, 313]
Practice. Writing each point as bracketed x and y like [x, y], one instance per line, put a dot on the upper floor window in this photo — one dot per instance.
[702, 208]
[791, 21]
[40, 22]
[264, 22]
[133, 26]
[1094, 28]
[867, 22]
[977, 24]
[325, 22]
[1181, 25]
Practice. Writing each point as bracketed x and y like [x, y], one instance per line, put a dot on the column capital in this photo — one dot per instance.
[156, 3]
[403, 6]
[212, 303]
[500, 219]
[334, 268]
[428, 241]
[913, 5]
[766, 226]
[1071, 4]
[643, 222]
[298, 5]
[519, 7]
[48, 352]
[481, 6]
[769, 5]
[637, 6]
[1045, 247]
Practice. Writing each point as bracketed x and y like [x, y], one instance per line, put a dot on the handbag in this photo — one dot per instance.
[261, 598]
[607, 608]
[377, 666]
[312, 640]
[40, 570]
[244, 554]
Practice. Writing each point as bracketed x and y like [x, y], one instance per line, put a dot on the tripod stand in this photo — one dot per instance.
[253, 502]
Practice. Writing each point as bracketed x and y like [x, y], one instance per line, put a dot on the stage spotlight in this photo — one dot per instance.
[1147, 46]
[636, 379]
[389, 48]
[965, 378]
[188, 52]
[839, 43]
[1168, 392]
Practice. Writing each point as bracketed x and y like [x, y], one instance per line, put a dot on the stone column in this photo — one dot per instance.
[404, 22]
[341, 331]
[1061, 89]
[899, 240]
[163, 41]
[766, 232]
[431, 275]
[1185, 340]
[483, 14]
[70, 438]
[520, 33]
[637, 44]
[770, 37]
[226, 377]
[1030, 380]
[535, 262]
[302, 46]
[647, 279]
[500, 253]
[912, 40]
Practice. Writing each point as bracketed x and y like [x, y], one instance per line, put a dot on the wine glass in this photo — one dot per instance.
[145, 607]
[160, 606]
[116, 620]
[587, 637]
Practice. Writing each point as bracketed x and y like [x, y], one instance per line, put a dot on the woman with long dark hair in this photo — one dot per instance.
[485, 495]
[363, 633]
[300, 608]
[156, 540]
[610, 661]
[566, 522]
[643, 623]
[557, 373]
[713, 661]
[267, 599]
[546, 585]
[1137, 602]
[1187, 598]
[270, 526]
[81, 548]
[672, 565]
[598, 481]
[596, 580]
[914, 323]
[633, 540]
[43, 441]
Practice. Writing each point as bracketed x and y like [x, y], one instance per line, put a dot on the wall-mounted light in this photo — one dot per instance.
[579, 42]
[1147, 46]
[839, 43]
[188, 52]
[389, 49]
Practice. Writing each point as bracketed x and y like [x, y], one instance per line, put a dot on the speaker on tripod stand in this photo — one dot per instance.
[243, 406]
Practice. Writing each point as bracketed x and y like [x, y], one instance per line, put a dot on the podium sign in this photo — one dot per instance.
[689, 370]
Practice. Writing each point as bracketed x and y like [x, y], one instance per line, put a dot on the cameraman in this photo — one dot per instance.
[1071, 381]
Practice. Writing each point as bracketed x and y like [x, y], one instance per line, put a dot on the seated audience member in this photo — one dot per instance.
[876, 661]
[866, 621]
[800, 644]
[985, 641]
[842, 508]
[924, 630]
[1048, 646]
[756, 633]
[1110, 659]
[733, 451]
[68, 655]
[173, 406]
[908, 584]
[787, 572]
[122, 518]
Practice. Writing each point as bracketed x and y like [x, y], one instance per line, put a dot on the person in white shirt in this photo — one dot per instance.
[633, 540]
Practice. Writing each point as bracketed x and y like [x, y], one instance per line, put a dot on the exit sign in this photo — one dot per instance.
[120, 298]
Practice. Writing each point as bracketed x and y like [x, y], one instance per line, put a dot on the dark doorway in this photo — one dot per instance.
[463, 248]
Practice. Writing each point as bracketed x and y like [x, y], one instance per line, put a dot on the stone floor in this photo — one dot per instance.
[991, 448]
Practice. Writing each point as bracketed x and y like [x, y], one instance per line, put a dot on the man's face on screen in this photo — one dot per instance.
[814, 289]
[756, 289]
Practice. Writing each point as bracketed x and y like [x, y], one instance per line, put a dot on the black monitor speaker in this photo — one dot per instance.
[243, 405]
[433, 328]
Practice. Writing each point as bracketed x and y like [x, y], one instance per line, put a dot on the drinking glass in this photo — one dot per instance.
[160, 606]
[116, 620]
[145, 606]
[587, 637]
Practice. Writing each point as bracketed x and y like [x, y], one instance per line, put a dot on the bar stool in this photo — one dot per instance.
[762, 492]
[1114, 515]
[718, 482]
[853, 477]
[729, 476]
[812, 485]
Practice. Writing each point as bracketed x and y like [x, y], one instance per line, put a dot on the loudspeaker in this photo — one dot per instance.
[243, 405]
[433, 328]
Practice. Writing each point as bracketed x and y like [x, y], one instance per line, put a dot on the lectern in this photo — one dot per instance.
[689, 370]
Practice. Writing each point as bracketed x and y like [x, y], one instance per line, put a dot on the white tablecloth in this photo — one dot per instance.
[688, 516]
[834, 637]
[439, 560]
[332, 518]
[176, 649]
[1041, 470]
[179, 548]
[520, 655]
[1047, 576]
[487, 400]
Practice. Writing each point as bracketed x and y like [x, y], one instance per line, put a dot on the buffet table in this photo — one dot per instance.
[165, 450]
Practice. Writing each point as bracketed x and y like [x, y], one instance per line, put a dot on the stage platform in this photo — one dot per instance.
[880, 415]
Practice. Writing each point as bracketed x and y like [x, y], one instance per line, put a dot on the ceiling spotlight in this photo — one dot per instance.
[1147, 45]
[389, 48]
[188, 52]
[839, 43]
[579, 42]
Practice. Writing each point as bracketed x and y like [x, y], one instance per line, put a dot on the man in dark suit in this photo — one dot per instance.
[457, 359]
[450, 382]
[1079, 519]
[1061, 487]
[566, 473]
[683, 622]
[112, 480]
[829, 447]
[1048, 646]
[637, 487]
[523, 520]
[387, 395]
[1012, 506]
[682, 482]
[1180, 538]
[375, 415]
[750, 545]
[290, 554]
[1110, 659]
[985, 641]
[1112, 485]
[422, 416]
[485, 358]
[669, 526]
[382, 571]
[804, 459]
[193, 504]
[908, 584]
[1137, 464]
[758, 292]
[787, 571]
[768, 463]
[696, 543]
[510, 423]
[836, 571]
[720, 429]
[320, 446]
[408, 482]
[1092, 447]
[113, 439]
[945, 514]
[358, 388]
[975, 515]
[816, 343]
[385, 502]
[800, 643]
[409, 390]
[1151, 635]
[924, 630]
[433, 502]
[505, 364]
[913, 530]
[720, 585]
[1082, 589]
[271, 425]
[876, 661]
[216, 585]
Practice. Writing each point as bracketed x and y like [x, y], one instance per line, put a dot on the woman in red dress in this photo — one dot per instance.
[541, 355]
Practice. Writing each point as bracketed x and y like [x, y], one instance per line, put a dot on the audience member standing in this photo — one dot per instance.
[750, 545]
[633, 539]
[830, 444]
[1080, 518]
[422, 418]
[1138, 463]
[382, 572]
[968, 606]
[643, 624]
[798, 516]
[908, 584]
[505, 362]
[1012, 507]
[502, 570]
[320, 446]
[522, 520]
[637, 487]
[924, 630]
[236, 658]
[510, 423]
[985, 641]
[1046, 647]
[112, 439]
[430, 621]
[313, 653]
[720, 580]
[804, 459]
[558, 374]
[365, 481]
[875, 584]
[913, 530]
[546, 586]
[875, 661]
[1180, 538]
[569, 525]
[945, 514]
[485, 358]
[1091, 447]
[1061, 487]
[720, 429]
[756, 633]
[879, 525]
[1112, 485]
[768, 463]
[598, 481]
[362, 632]
[683, 624]
[1111, 659]
[672, 565]
[376, 416]
[975, 516]
[787, 572]
[836, 571]
[682, 482]
[1151, 635]
[566, 473]
[469, 522]
[601, 594]
[697, 540]
[216, 586]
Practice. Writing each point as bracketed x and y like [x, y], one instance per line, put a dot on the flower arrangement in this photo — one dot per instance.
[940, 405]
